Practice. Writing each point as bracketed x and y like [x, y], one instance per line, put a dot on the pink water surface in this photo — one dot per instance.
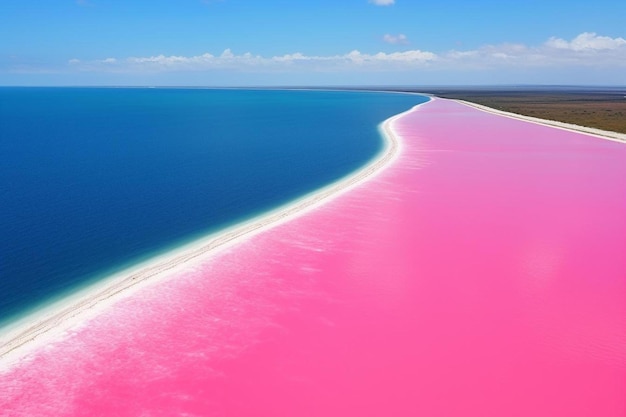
[482, 274]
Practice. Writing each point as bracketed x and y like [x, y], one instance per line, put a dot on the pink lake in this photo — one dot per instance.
[480, 274]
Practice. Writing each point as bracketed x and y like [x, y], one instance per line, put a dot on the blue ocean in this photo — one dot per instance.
[93, 180]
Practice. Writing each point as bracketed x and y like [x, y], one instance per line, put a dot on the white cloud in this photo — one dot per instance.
[292, 57]
[227, 54]
[228, 60]
[396, 39]
[414, 56]
[587, 41]
[585, 51]
[406, 59]
[382, 2]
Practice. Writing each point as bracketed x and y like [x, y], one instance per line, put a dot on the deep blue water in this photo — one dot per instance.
[94, 179]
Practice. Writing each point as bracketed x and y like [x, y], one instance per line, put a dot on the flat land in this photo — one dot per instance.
[601, 108]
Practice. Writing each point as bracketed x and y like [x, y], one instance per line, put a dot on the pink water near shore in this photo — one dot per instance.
[481, 274]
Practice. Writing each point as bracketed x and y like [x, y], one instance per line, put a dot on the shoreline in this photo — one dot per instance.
[440, 277]
[598, 133]
[38, 327]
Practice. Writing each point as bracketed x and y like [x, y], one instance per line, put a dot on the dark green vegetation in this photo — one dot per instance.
[601, 108]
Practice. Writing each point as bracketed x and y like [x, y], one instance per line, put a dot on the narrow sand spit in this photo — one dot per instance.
[72, 310]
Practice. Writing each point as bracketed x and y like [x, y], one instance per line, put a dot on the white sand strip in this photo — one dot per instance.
[48, 323]
[602, 134]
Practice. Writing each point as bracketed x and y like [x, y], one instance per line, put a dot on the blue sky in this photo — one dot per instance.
[311, 42]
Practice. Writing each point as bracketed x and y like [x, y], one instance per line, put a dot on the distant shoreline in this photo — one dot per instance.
[599, 133]
[511, 99]
[597, 110]
[601, 108]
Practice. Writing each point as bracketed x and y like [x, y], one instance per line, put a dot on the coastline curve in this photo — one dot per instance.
[35, 329]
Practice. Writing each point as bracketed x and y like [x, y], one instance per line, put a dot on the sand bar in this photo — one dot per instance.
[69, 311]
